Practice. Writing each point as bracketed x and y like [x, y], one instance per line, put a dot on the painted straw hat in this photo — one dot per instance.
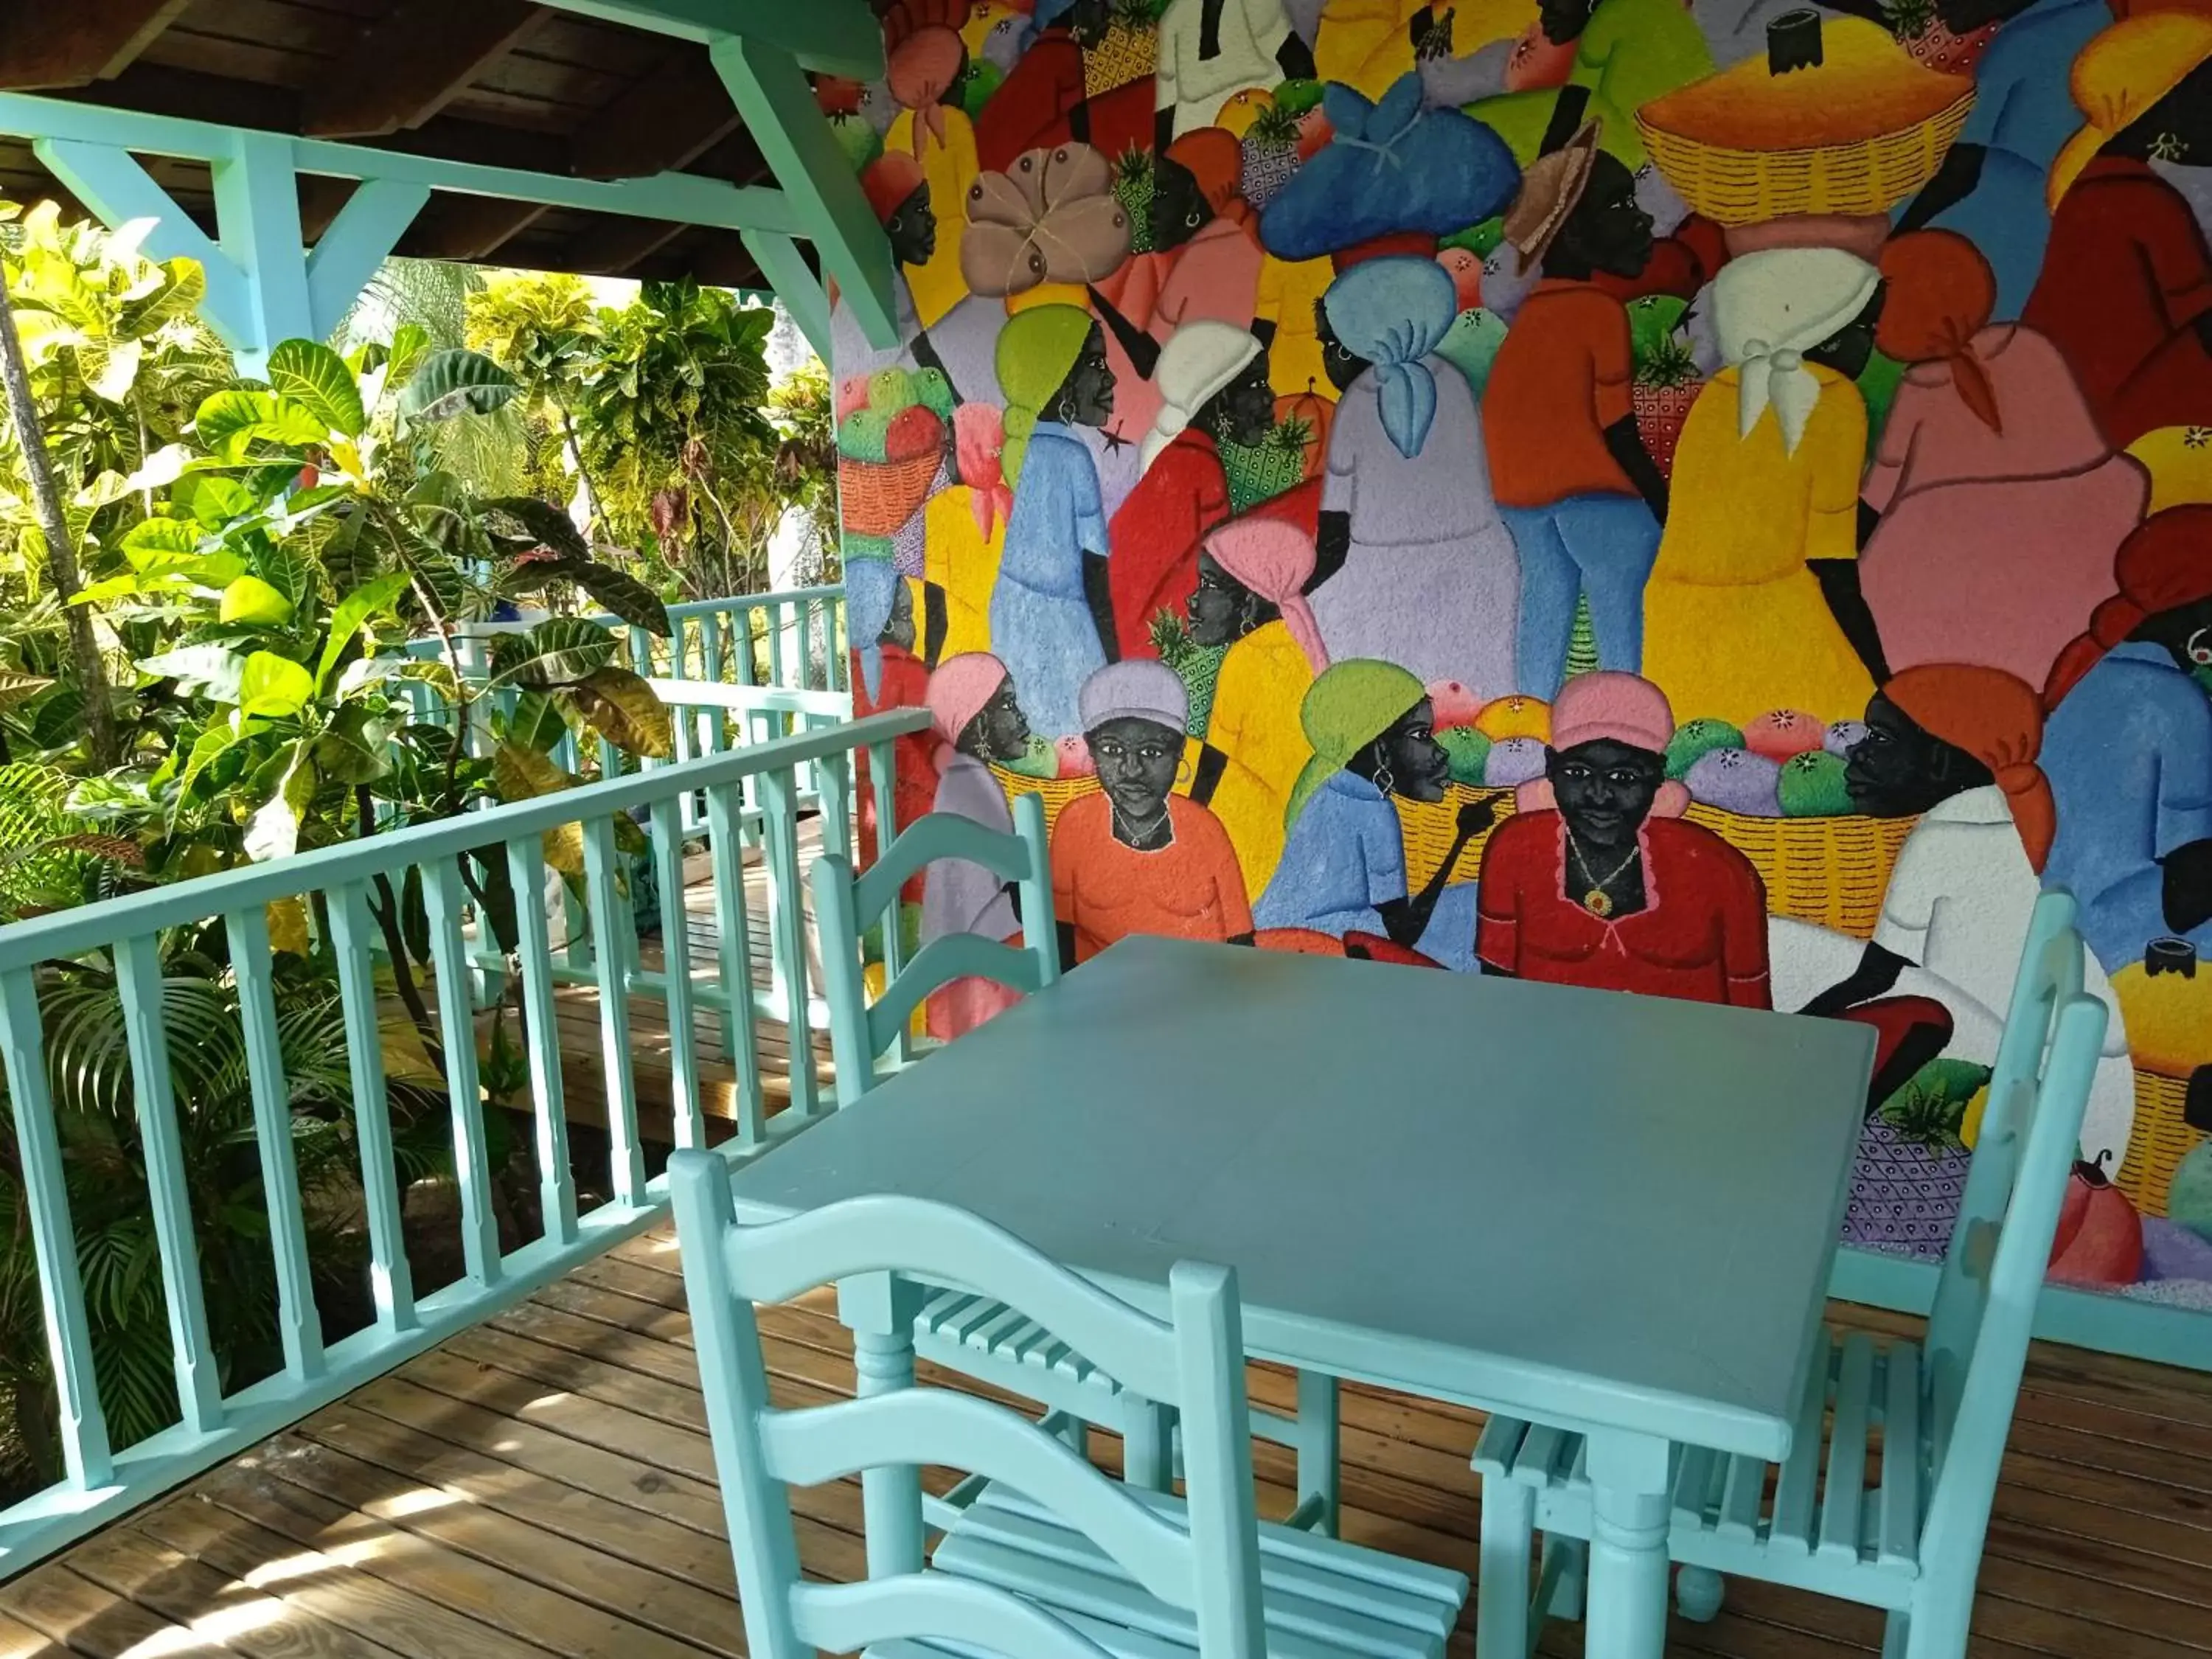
[1550, 188]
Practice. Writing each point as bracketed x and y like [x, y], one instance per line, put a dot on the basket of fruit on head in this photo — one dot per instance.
[889, 445]
[1773, 790]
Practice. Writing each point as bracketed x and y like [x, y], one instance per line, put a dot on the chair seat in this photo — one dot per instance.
[1324, 1599]
[1841, 1517]
[959, 1330]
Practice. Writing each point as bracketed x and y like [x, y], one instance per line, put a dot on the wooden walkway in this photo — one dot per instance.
[543, 1484]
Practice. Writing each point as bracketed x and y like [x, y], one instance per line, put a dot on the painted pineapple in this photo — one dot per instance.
[1199, 666]
[1666, 386]
[1132, 189]
[1910, 1172]
[1259, 472]
[1923, 33]
[1128, 51]
[1271, 155]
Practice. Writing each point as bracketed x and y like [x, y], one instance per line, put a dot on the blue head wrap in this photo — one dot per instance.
[1394, 312]
[871, 589]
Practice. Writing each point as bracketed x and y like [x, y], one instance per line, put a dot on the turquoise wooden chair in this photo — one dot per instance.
[1908, 1539]
[978, 1336]
[1055, 1561]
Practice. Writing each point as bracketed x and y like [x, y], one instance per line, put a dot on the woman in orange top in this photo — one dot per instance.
[1135, 858]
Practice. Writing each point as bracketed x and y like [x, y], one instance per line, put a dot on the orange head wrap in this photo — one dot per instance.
[2165, 564]
[1998, 720]
[1942, 294]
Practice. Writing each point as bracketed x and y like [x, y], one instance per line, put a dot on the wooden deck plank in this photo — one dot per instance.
[544, 1484]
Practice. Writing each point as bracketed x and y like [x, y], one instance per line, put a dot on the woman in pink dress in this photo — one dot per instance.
[1994, 506]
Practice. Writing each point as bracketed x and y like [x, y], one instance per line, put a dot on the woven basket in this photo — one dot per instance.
[1743, 187]
[876, 498]
[1832, 872]
[1055, 792]
[2159, 1141]
[1431, 827]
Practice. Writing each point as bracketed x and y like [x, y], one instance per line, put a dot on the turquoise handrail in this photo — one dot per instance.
[101, 1479]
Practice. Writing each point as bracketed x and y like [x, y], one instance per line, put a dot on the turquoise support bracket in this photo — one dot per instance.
[109, 180]
[780, 110]
[358, 240]
[263, 286]
[799, 290]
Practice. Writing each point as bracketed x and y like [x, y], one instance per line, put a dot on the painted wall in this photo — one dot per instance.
[1711, 502]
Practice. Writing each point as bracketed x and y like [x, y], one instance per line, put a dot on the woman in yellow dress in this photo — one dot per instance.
[1753, 604]
[1252, 574]
[964, 533]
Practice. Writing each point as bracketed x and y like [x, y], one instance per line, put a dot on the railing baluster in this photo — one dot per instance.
[557, 1183]
[391, 1282]
[443, 898]
[775, 612]
[841, 654]
[138, 984]
[608, 907]
[83, 1426]
[676, 969]
[806, 609]
[299, 1324]
[833, 776]
[741, 622]
[724, 844]
[786, 924]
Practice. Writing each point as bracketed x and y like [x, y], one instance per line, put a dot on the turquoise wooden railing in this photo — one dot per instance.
[102, 1479]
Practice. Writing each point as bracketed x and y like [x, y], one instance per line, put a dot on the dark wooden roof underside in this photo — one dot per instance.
[502, 82]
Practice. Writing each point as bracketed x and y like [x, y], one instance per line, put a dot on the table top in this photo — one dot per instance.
[1608, 1212]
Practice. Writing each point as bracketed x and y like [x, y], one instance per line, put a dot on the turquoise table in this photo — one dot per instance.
[1613, 1214]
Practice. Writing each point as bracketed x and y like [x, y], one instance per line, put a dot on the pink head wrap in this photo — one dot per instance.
[1623, 707]
[959, 687]
[1275, 560]
[979, 435]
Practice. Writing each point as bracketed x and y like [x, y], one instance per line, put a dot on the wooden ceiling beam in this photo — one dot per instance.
[611, 246]
[665, 121]
[73, 43]
[408, 64]
[468, 227]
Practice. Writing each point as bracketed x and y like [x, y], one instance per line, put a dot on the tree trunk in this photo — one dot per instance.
[61, 553]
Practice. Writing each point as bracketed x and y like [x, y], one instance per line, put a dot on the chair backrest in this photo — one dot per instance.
[1994, 1272]
[1193, 1362]
[846, 906]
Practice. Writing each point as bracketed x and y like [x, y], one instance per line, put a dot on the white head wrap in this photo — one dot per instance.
[1199, 358]
[1771, 307]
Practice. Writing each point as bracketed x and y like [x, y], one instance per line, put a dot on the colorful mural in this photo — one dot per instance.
[1710, 501]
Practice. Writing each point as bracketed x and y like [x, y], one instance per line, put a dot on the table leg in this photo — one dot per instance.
[879, 1311]
[1628, 1547]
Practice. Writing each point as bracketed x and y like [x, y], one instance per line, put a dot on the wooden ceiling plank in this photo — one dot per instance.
[410, 65]
[72, 43]
[611, 246]
[468, 227]
[667, 120]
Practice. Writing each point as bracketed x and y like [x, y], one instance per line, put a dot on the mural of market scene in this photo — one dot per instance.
[1712, 501]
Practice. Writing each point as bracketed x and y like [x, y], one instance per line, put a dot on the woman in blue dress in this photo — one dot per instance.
[1343, 868]
[1052, 610]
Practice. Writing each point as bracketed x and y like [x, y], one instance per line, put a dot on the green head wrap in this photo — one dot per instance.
[1349, 705]
[1037, 349]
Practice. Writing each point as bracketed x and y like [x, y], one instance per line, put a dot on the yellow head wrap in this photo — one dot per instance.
[2121, 73]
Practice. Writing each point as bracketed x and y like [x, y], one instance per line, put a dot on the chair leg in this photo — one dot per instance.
[1502, 1621]
[1566, 1565]
[1897, 1635]
[1698, 1593]
[1147, 1437]
[1318, 1456]
[1935, 1628]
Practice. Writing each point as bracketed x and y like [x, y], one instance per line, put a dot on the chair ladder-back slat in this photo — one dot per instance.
[1693, 1486]
[557, 1183]
[676, 962]
[298, 1323]
[725, 812]
[1791, 1529]
[82, 1425]
[787, 925]
[1844, 1492]
[138, 984]
[610, 912]
[443, 900]
[1901, 1452]
[1041, 943]
[1540, 1451]
[882, 763]
[391, 1280]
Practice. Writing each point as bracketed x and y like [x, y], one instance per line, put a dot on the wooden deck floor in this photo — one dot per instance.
[544, 1485]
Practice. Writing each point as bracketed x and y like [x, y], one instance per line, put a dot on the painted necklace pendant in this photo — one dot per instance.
[1598, 902]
